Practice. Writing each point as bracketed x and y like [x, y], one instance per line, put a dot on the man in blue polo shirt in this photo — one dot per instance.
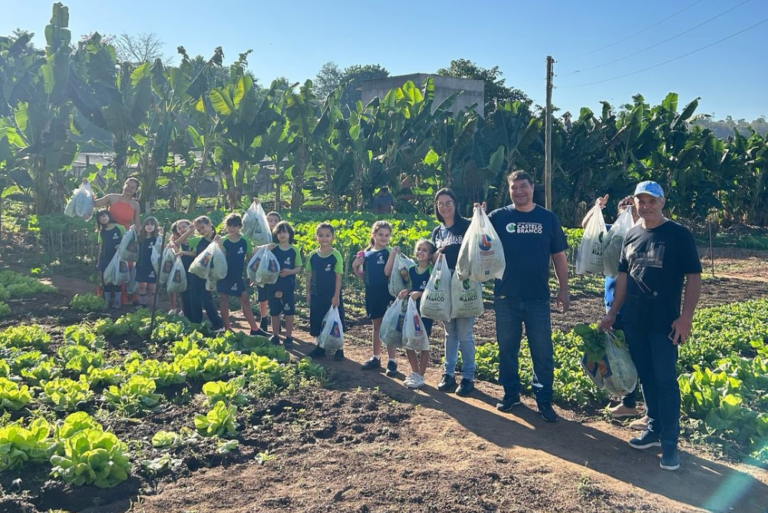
[531, 236]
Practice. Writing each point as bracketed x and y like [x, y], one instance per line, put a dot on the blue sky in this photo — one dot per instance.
[294, 39]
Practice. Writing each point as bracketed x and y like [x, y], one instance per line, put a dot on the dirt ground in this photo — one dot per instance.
[366, 443]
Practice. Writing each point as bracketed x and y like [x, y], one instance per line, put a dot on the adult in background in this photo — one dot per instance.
[384, 202]
[459, 333]
[531, 236]
[123, 207]
[658, 257]
[628, 405]
[126, 211]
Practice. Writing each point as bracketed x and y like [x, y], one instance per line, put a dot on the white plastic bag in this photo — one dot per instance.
[256, 226]
[157, 255]
[132, 287]
[414, 333]
[436, 300]
[268, 271]
[589, 258]
[614, 241]
[263, 268]
[466, 297]
[177, 281]
[619, 373]
[392, 324]
[117, 271]
[211, 264]
[81, 203]
[166, 265]
[481, 256]
[400, 279]
[332, 334]
[129, 246]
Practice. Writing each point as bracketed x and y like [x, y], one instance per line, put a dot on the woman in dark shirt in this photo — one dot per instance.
[459, 333]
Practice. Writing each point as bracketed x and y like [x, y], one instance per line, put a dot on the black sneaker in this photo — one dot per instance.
[288, 342]
[317, 352]
[646, 440]
[547, 412]
[670, 459]
[259, 333]
[338, 355]
[373, 363]
[447, 383]
[275, 340]
[465, 387]
[391, 369]
[509, 402]
[265, 325]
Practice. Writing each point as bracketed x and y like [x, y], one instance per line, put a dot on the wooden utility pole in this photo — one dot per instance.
[548, 136]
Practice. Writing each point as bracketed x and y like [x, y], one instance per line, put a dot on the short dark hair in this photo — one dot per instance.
[284, 226]
[325, 226]
[519, 174]
[384, 189]
[445, 191]
[233, 219]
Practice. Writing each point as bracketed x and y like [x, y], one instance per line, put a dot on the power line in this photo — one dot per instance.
[660, 43]
[667, 61]
[635, 34]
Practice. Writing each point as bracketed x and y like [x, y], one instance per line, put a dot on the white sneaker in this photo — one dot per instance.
[416, 382]
[410, 379]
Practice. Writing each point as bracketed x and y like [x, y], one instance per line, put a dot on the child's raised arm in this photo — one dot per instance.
[391, 261]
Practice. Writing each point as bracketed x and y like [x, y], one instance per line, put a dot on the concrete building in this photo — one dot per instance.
[473, 90]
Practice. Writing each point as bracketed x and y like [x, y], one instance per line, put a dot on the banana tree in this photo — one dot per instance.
[35, 92]
[114, 97]
[308, 130]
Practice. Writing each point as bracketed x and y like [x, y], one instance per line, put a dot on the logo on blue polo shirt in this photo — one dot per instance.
[511, 227]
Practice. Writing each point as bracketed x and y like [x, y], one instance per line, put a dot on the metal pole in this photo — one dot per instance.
[711, 251]
[548, 136]
[157, 284]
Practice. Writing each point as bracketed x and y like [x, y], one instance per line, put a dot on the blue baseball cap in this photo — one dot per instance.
[649, 187]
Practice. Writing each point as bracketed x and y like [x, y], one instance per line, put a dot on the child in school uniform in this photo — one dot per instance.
[419, 277]
[238, 250]
[262, 292]
[369, 267]
[147, 237]
[179, 228]
[326, 267]
[110, 235]
[197, 298]
[282, 293]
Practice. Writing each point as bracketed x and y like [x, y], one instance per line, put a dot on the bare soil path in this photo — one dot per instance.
[369, 444]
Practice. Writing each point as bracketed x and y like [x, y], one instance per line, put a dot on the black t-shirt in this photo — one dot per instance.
[450, 239]
[656, 262]
[529, 240]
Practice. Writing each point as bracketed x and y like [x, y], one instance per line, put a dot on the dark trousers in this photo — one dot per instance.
[655, 357]
[511, 315]
[196, 298]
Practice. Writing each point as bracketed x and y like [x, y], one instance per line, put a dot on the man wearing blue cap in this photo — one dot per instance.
[658, 257]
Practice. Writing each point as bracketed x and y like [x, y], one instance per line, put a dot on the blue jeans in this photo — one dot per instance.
[511, 314]
[459, 334]
[655, 357]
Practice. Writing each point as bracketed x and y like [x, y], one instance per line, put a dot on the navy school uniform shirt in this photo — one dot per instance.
[451, 239]
[289, 259]
[375, 261]
[324, 270]
[145, 252]
[656, 261]
[529, 240]
[110, 239]
[236, 252]
[419, 281]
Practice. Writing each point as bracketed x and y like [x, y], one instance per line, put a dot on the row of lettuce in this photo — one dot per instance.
[14, 285]
[53, 391]
[723, 376]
